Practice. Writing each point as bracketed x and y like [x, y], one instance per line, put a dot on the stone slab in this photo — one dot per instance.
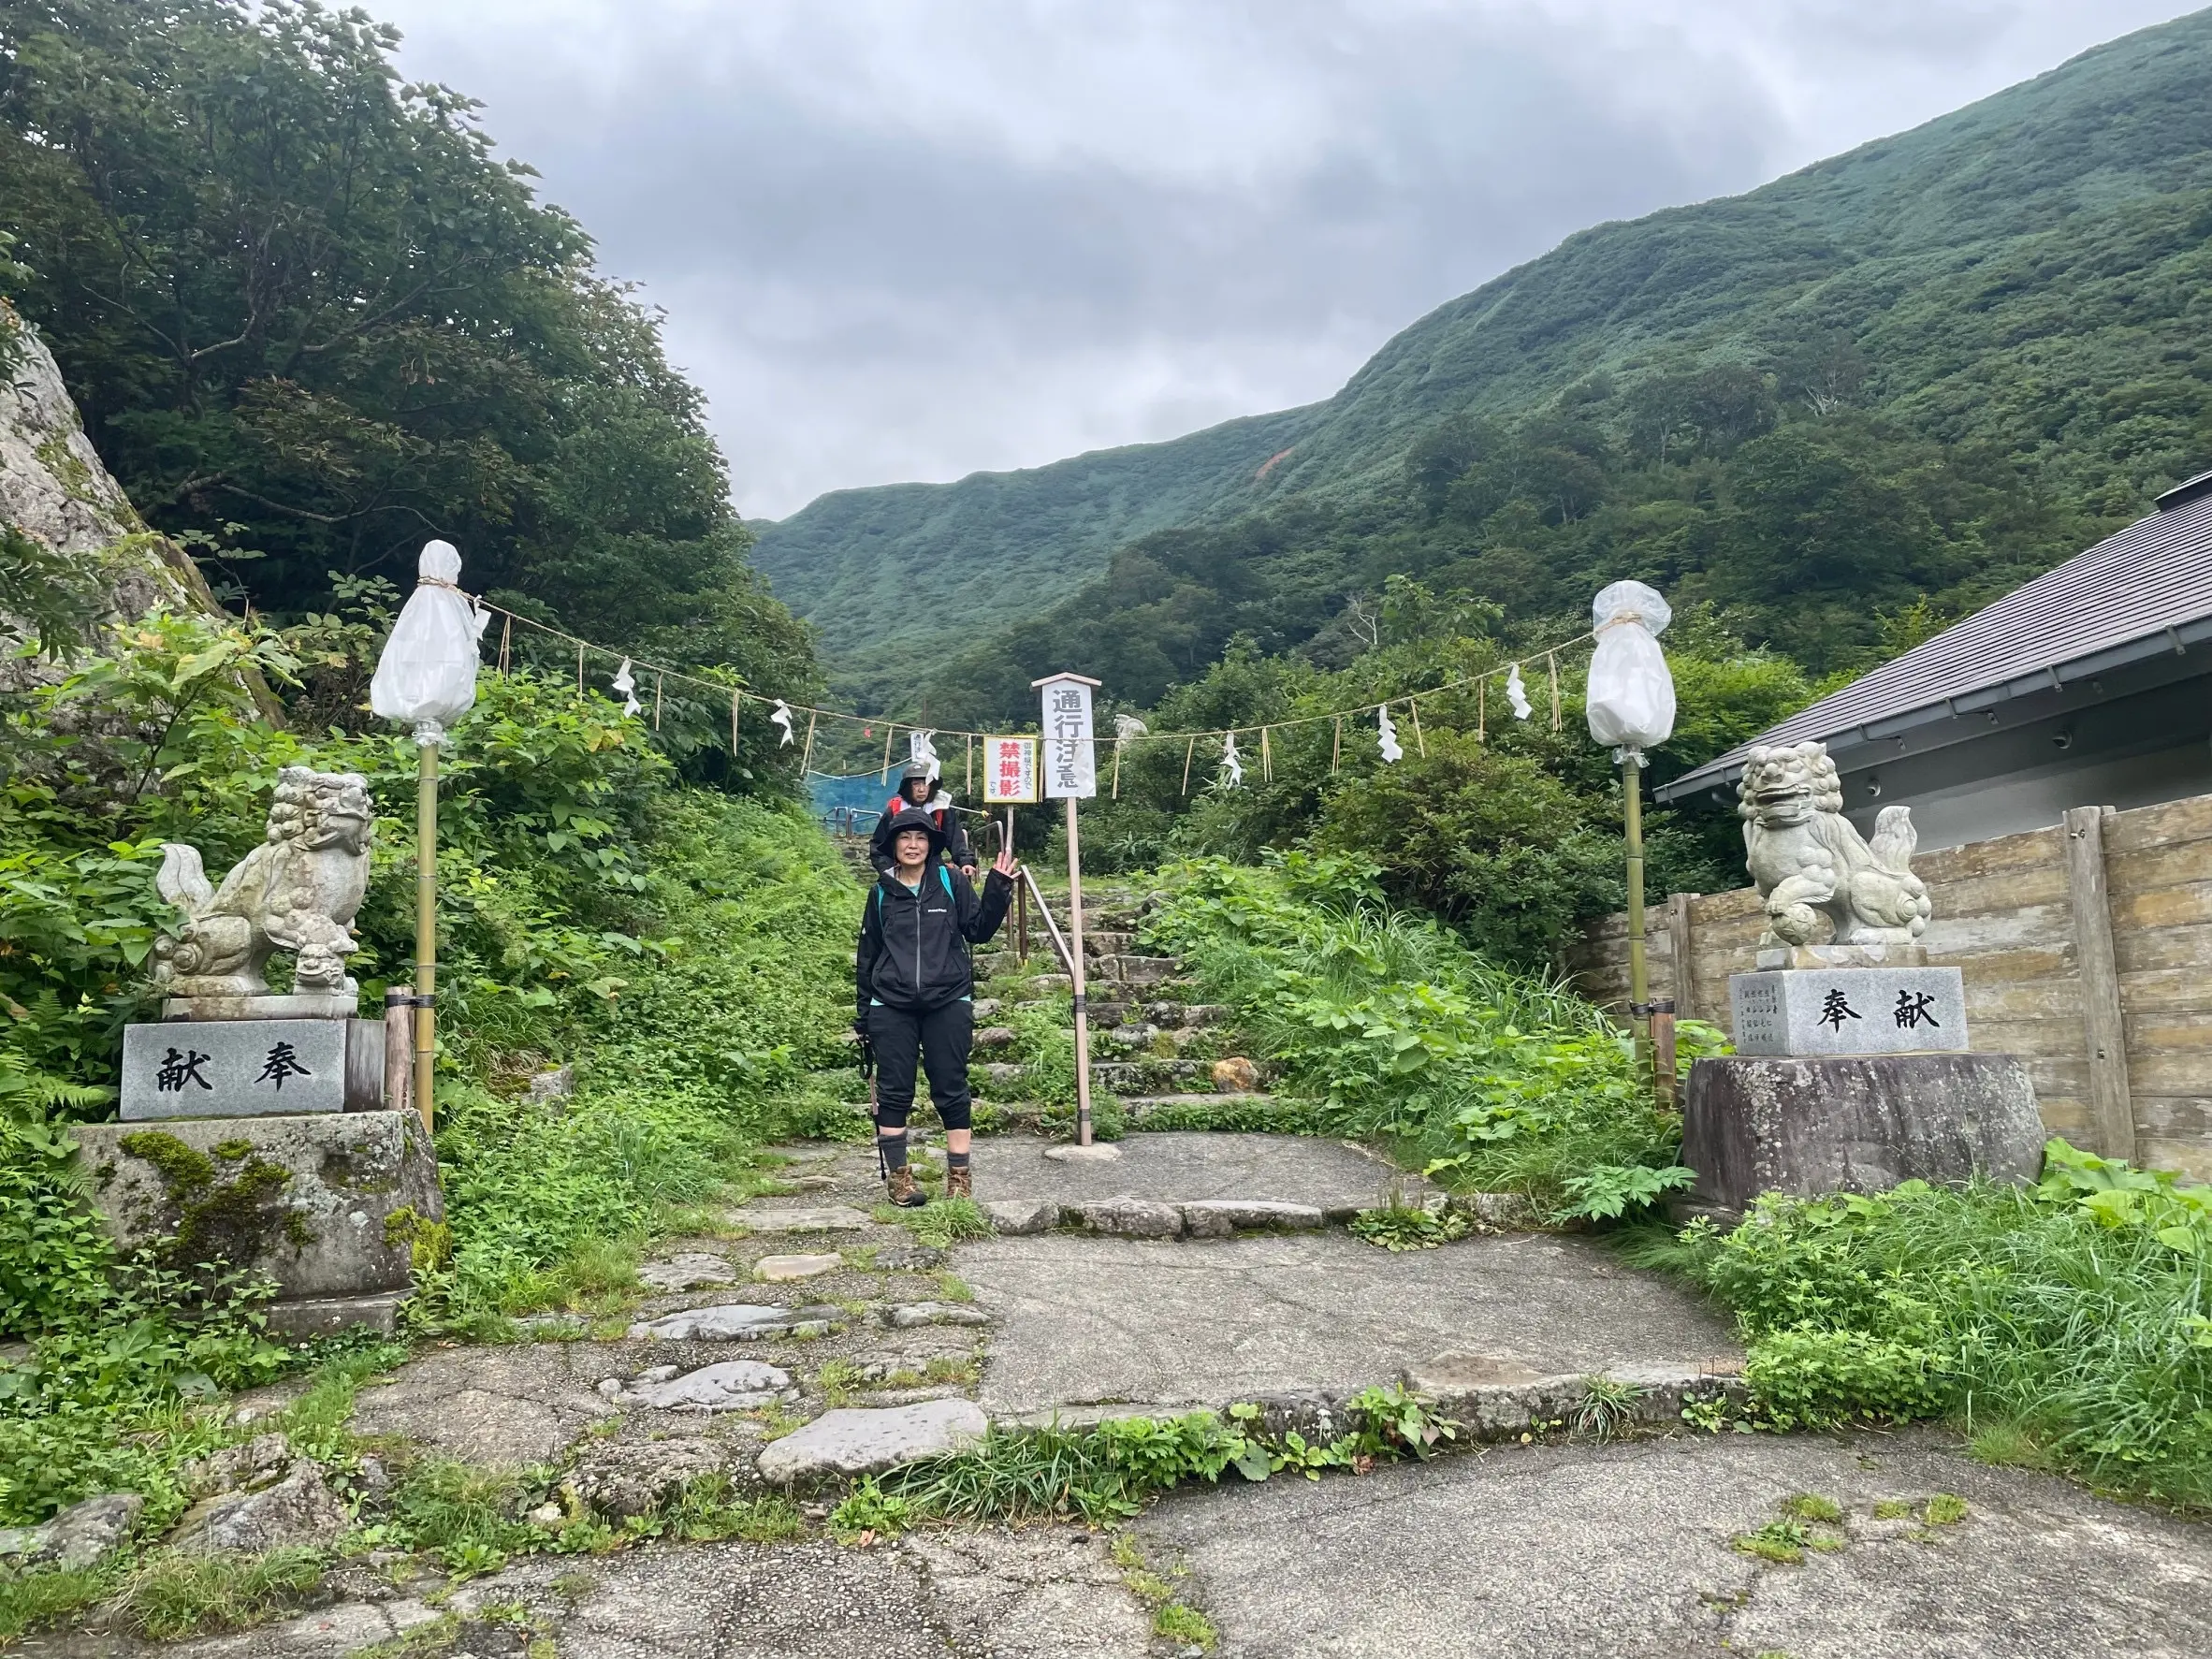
[1776, 957]
[733, 1385]
[778, 1270]
[859, 1441]
[1097, 1152]
[1179, 1166]
[823, 1218]
[1222, 1218]
[688, 1271]
[233, 1069]
[1551, 1550]
[907, 1315]
[508, 1403]
[1855, 1124]
[1083, 1320]
[729, 1322]
[290, 1005]
[1018, 1218]
[1849, 1010]
[326, 1224]
[1128, 1217]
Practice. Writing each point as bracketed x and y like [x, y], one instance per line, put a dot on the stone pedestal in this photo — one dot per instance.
[1849, 1010]
[1810, 1125]
[251, 1068]
[329, 1206]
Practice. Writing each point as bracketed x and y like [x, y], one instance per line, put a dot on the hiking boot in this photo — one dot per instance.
[904, 1193]
[960, 1182]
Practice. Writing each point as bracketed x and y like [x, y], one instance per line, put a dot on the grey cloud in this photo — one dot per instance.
[892, 251]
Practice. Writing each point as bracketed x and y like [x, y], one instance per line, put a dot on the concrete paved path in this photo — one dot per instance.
[1548, 1552]
[1081, 1321]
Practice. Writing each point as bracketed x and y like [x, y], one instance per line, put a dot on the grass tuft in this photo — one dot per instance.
[171, 1595]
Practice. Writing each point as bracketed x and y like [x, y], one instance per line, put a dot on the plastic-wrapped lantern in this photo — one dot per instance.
[1630, 700]
[427, 678]
[1630, 705]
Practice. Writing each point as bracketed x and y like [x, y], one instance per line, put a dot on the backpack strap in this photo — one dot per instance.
[945, 876]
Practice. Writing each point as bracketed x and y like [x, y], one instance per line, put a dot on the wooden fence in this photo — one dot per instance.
[2086, 948]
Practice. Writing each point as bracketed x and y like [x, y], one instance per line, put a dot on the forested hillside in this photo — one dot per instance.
[1926, 368]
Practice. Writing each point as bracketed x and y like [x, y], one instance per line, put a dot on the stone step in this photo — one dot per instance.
[1181, 1014]
[1139, 970]
[1123, 1077]
[1141, 1107]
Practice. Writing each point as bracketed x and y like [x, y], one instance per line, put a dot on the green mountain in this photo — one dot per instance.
[2020, 282]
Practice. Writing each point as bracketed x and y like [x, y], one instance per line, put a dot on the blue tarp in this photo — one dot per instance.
[852, 802]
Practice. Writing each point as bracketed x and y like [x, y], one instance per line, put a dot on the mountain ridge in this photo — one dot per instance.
[1839, 246]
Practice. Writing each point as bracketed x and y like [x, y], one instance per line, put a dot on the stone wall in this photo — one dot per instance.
[2086, 948]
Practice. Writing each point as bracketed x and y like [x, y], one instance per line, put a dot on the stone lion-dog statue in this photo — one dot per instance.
[299, 890]
[1808, 862]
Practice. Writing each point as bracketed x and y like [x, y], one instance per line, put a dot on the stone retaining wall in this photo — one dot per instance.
[2086, 948]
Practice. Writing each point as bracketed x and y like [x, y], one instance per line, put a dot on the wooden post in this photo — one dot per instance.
[398, 1047]
[1666, 1010]
[2112, 1108]
[1083, 1018]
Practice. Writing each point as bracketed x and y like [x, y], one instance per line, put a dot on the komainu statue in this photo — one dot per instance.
[299, 890]
[1808, 860]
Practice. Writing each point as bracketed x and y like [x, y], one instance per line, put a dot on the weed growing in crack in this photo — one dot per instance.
[172, 1594]
[1171, 1617]
[1409, 1226]
[1808, 1506]
[869, 1513]
[838, 1380]
[942, 1222]
[1606, 1407]
[1944, 1510]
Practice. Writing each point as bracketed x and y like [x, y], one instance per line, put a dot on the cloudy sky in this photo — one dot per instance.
[912, 239]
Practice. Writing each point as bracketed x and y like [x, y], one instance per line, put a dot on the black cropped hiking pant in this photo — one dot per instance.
[940, 1039]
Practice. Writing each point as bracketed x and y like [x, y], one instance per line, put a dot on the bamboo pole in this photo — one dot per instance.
[1640, 985]
[426, 931]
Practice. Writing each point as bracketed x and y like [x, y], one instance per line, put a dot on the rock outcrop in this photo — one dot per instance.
[54, 489]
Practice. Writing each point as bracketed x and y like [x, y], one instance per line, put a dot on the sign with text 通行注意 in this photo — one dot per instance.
[1009, 771]
[1070, 771]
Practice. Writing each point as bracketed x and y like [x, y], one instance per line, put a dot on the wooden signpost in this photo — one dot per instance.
[1070, 773]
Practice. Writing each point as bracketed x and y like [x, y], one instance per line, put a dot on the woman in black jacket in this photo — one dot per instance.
[915, 988]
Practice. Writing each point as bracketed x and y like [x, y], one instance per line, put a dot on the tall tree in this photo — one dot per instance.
[313, 320]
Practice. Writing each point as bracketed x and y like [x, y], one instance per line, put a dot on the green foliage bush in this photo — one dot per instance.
[1501, 1080]
[684, 949]
[2085, 1322]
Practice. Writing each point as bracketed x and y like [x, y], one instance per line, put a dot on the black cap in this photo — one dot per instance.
[907, 818]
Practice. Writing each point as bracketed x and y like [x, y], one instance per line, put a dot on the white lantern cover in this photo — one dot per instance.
[1630, 701]
[427, 676]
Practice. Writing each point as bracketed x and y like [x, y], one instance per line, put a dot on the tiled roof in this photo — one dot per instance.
[2149, 583]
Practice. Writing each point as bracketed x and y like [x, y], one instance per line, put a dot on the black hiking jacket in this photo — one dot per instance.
[913, 946]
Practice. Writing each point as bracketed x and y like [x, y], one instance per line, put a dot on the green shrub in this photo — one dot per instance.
[2082, 1324]
[1392, 1026]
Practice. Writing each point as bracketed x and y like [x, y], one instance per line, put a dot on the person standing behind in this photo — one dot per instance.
[914, 989]
[913, 791]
